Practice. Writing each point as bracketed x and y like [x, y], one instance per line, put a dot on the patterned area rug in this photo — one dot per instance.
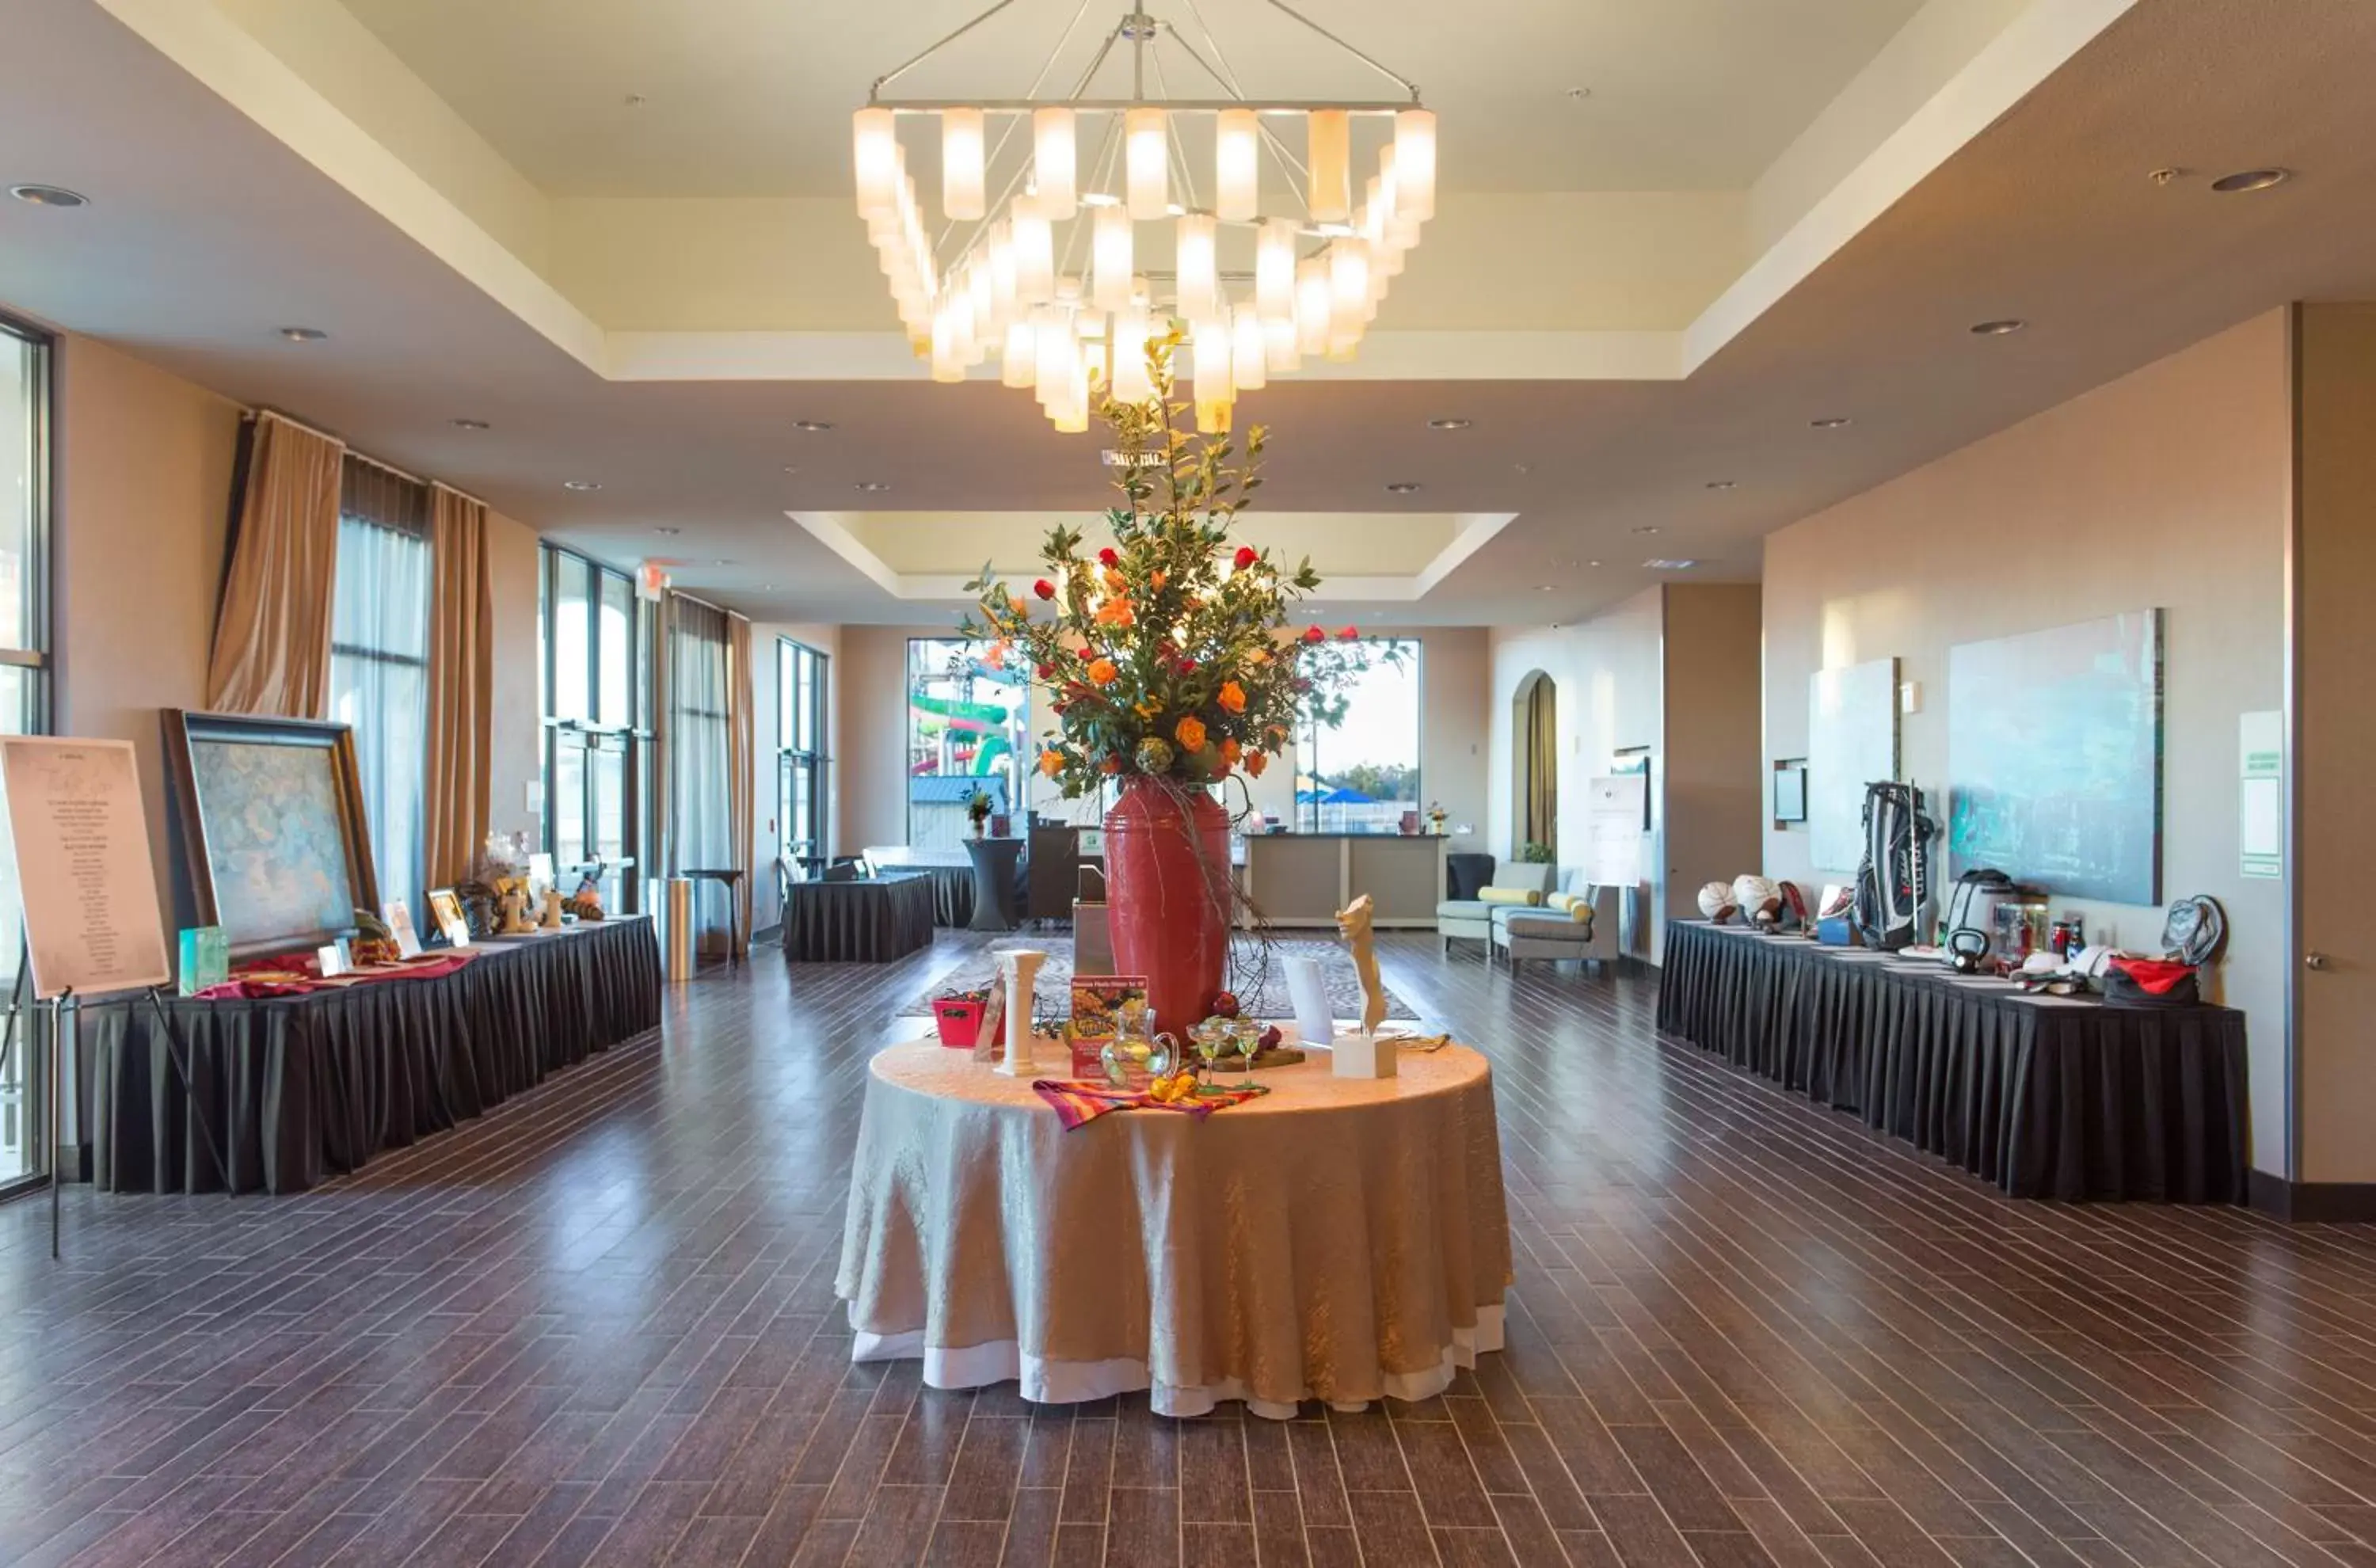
[1259, 979]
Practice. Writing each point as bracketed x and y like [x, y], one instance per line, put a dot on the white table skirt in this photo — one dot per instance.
[1337, 1239]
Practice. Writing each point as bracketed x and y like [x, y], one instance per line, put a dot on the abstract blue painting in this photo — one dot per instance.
[2054, 758]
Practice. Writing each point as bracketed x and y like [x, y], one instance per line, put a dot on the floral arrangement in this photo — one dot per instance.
[1171, 654]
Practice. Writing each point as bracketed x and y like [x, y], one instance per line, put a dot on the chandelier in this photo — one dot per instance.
[1105, 232]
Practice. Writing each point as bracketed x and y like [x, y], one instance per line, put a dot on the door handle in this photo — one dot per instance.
[2314, 960]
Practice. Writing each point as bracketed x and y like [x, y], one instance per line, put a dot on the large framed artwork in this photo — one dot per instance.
[1851, 742]
[2054, 757]
[271, 818]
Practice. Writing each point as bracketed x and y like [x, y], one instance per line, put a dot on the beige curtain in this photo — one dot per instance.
[457, 784]
[272, 636]
[741, 780]
[1541, 826]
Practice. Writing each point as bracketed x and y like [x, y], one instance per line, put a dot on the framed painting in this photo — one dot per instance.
[270, 813]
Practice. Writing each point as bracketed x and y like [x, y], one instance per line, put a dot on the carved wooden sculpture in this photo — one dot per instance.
[1353, 921]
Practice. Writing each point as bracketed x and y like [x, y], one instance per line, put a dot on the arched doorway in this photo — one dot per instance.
[1533, 765]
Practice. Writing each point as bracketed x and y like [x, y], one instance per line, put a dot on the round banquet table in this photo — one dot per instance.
[1338, 1239]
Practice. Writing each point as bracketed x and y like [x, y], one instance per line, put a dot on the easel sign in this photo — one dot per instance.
[89, 887]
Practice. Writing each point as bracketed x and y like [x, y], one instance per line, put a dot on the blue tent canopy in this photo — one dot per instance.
[1341, 796]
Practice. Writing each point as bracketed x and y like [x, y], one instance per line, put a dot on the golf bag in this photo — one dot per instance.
[1893, 882]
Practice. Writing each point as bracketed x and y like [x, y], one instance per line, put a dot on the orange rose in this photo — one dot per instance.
[1190, 732]
[1114, 583]
[1232, 697]
[1052, 763]
[1102, 672]
[1115, 612]
[1256, 763]
[996, 657]
[1232, 751]
[1112, 764]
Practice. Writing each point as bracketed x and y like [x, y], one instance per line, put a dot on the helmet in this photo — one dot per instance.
[1715, 901]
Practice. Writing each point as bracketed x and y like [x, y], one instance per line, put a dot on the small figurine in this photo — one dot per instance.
[1353, 921]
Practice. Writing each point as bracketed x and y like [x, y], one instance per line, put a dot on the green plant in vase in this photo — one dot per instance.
[1172, 663]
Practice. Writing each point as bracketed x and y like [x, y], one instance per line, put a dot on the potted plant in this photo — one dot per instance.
[1174, 665]
[977, 808]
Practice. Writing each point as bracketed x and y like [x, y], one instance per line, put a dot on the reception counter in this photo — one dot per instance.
[1302, 879]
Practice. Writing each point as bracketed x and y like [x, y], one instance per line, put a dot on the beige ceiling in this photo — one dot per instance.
[1338, 544]
[752, 97]
[223, 211]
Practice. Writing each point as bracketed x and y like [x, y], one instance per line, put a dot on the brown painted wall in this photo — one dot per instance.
[2171, 487]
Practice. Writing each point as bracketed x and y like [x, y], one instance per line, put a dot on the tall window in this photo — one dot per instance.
[801, 765]
[968, 728]
[1361, 775]
[698, 750]
[596, 684]
[379, 661]
[24, 692]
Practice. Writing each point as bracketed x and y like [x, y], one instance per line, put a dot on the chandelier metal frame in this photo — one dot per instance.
[1064, 316]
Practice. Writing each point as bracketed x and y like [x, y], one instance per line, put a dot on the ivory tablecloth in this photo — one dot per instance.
[1337, 1239]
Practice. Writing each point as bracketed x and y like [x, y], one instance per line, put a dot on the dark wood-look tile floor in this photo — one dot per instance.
[598, 1326]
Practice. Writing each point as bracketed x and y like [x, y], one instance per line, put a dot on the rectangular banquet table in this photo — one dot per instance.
[871, 920]
[2047, 1096]
[297, 1089]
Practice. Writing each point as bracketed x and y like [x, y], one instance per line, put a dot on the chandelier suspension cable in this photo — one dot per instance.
[1179, 151]
[1395, 76]
[893, 75]
[1224, 73]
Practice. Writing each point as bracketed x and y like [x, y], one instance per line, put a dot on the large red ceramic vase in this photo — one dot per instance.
[1168, 896]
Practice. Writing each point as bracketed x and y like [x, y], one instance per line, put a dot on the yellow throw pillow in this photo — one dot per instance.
[1525, 895]
[1577, 906]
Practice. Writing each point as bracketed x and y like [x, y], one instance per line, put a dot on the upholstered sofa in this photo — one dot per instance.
[1471, 919]
[1586, 929]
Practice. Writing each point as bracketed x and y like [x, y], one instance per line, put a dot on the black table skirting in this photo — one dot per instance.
[2056, 1098]
[870, 921]
[303, 1087]
[952, 892]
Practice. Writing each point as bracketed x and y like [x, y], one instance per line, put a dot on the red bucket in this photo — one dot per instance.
[958, 1020]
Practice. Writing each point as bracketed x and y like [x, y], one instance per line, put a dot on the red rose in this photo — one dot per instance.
[1047, 671]
[1314, 634]
[1246, 556]
[1348, 634]
[1044, 588]
[1185, 667]
[1106, 557]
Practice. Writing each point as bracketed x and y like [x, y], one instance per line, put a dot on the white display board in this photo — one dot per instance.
[81, 842]
[1851, 742]
[1612, 830]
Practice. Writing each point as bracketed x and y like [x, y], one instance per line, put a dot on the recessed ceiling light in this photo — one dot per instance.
[1722, 483]
[49, 196]
[468, 425]
[1663, 565]
[1546, 587]
[2004, 329]
[791, 468]
[1647, 527]
[722, 563]
[635, 100]
[873, 486]
[1401, 487]
[1592, 563]
[581, 484]
[814, 427]
[2250, 180]
[1450, 424]
[304, 333]
[667, 530]
[1836, 421]
[1578, 94]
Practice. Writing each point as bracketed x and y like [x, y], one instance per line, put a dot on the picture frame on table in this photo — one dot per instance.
[270, 816]
[445, 914]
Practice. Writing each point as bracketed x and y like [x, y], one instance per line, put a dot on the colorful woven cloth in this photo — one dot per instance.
[1077, 1103]
[262, 981]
